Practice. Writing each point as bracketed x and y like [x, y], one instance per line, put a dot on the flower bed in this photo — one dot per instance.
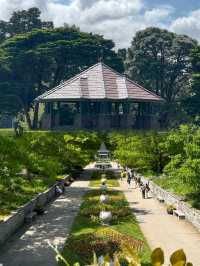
[88, 235]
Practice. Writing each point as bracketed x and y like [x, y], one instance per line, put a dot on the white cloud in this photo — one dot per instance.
[115, 19]
[157, 15]
[189, 25]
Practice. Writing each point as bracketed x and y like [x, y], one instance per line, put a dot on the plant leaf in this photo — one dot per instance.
[178, 256]
[157, 257]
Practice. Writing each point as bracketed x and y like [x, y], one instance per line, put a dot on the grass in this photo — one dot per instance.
[87, 223]
[7, 132]
[19, 192]
[189, 193]
[97, 176]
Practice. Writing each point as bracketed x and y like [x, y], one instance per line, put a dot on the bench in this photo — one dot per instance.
[179, 214]
[160, 199]
[30, 217]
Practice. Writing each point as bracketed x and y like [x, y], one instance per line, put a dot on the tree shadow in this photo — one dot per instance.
[31, 241]
[140, 211]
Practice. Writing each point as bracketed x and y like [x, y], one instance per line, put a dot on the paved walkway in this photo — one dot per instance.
[29, 246]
[163, 230]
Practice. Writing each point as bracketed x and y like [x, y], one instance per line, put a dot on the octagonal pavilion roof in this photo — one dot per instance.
[99, 82]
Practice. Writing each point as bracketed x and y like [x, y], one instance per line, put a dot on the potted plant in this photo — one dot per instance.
[170, 209]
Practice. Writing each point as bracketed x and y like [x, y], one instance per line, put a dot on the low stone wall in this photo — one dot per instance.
[191, 214]
[16, 219]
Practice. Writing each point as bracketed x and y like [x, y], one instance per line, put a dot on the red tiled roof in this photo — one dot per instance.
[99, 82]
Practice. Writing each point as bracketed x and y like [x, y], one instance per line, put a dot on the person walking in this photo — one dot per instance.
[143, 190]
[139, 182]
[147, 189]
[134, 178]
[129, 179]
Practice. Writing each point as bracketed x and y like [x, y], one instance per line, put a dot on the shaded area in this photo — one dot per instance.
[30, 245]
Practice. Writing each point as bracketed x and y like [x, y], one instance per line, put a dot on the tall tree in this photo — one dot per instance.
[41, 59]
[192, 102]
[23, 21]
[159, 60]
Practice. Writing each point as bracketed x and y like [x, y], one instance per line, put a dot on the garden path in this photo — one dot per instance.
[29, 247]
[163, 230]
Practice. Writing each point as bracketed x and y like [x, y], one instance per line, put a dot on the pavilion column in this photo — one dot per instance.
[51, 115]
[142, 117]
[46, 118]
[104, 118]
[117, 108]
[82, 113]
[78, 107]
[57, 115]
[78, 118]
[126, 108]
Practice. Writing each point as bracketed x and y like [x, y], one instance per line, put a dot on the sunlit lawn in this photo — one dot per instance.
[6, 132]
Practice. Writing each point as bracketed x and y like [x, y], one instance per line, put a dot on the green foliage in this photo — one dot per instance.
[159, 60]
[29, 164]
[9, 164]
[34, 62]
[176, 154]
[142, 151]
[183, 148]
[192, 102]
[21, 22]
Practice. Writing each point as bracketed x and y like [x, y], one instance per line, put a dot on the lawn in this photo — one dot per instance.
[97, 176]
[88, 234]
[7, 132]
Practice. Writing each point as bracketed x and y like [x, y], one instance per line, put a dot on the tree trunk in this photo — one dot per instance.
[35, 116]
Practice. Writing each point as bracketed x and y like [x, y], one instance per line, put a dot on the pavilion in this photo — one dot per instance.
[99, 98]
[103, 153]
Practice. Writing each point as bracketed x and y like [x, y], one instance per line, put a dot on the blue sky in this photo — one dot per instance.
[182, 7]
[116, 19]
